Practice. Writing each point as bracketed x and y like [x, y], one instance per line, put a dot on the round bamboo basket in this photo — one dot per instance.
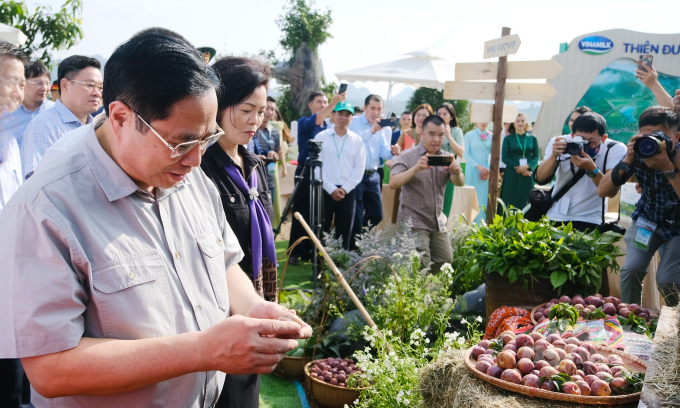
[632, 363]
[291, 368]
[534, 310]
[329, 395]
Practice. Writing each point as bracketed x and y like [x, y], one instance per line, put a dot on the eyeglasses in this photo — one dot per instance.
[39, 83]
[184, 148]
[90, 86]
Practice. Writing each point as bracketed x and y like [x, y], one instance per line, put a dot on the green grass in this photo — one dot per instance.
[278, 393]
[296, 275]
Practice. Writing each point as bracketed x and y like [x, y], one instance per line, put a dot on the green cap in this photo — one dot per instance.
[344, 105]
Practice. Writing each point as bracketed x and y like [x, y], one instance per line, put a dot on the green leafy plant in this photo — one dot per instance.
[45, 31]
[301, 24]
[639, 325]
[530, 252]
[564, 311]
[594, 314]
[635, 380]
[435, 98]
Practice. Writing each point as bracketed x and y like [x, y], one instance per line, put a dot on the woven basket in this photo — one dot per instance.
[329, 395]
[291, 368]
[534, 310]
[632, 363]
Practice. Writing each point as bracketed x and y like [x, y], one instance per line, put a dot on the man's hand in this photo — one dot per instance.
[376, 127]
[630, 151]
[676, 101]
[559, 146]
[270, 310]
[583, 162]
[338, 98]
[241, 345]
[660, 161]
[648, 77]
[483, 172]
[272, 155]
[422, 164]
[455, 168]
[395, 150]
[338, 194]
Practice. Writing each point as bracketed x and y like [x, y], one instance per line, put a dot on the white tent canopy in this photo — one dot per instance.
[12, 35]
[422, 68]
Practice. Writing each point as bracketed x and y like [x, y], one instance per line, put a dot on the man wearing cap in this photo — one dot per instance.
[344, 161]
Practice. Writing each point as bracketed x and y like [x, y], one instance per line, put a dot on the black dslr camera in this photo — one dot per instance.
[650, 145]
[314, 149]
[576, 145]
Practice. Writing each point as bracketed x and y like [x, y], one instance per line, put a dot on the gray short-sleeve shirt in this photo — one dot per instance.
[86, 253]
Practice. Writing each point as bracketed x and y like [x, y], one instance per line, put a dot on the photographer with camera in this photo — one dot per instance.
[584, 152]
[652, 157]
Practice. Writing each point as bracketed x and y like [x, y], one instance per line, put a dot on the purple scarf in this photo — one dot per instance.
[261, 235]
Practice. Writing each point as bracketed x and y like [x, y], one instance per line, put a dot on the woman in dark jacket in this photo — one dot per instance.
[241, 178]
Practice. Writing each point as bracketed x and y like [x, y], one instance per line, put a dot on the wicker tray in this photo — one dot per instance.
[329, 395]
[632, 363]
[534, 310]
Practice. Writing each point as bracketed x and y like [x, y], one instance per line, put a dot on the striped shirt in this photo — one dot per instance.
[43, 131]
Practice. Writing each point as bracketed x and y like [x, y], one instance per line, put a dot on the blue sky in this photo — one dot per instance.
[370, 32]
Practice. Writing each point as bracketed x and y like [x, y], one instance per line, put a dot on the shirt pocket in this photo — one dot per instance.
[212, 247]
[134, 297]
[234, 201]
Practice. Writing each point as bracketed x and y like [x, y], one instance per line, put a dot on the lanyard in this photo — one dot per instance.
[339, 153]
[524, 155]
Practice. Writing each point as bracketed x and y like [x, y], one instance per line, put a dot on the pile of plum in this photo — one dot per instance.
[542, 362]
[334, 371]
[610, 305]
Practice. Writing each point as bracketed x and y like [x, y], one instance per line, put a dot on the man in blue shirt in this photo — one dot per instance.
[308, 127]
[35, 101]
[656, 219]
[377, 144]
[80, 82]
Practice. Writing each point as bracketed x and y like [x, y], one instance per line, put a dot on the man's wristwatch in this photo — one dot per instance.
[592, 173]
[669, 174]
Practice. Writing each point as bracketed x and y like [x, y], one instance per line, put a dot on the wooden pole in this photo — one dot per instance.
[336, 272]
[496, 140]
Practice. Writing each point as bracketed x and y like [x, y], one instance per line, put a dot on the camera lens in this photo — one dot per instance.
[646, 147]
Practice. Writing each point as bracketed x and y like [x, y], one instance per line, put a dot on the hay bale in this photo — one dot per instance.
[447, 383]
[665, 383]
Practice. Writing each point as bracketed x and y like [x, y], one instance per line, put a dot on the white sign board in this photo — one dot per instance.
[502, 47]
[483, 112]
[487, 91]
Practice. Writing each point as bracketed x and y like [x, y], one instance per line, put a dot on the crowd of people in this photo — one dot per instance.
[118, 252]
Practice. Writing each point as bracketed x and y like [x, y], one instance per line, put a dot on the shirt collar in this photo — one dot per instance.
[66, 115]
[222, 159]
[364, 119]
[111, 178]
[43, 104]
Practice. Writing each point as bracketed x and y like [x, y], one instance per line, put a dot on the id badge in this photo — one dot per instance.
[523, 162]
[644, 233]
[488, 161]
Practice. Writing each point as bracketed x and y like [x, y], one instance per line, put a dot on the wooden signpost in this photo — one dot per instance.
[483, 112]
[499, 92]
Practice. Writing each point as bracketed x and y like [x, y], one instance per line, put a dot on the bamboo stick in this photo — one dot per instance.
[336, 272]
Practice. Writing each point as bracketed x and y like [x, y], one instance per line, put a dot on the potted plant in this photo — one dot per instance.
[527, 263]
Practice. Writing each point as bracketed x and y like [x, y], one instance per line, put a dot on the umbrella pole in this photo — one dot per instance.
[336, 272]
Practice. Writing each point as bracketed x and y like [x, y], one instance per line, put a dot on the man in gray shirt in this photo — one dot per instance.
[121, 284]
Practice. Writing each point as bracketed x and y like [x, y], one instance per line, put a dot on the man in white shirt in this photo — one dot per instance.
[580, 205]
[344, 161]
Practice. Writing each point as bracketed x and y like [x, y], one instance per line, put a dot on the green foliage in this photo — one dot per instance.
[530, 252]
[564, 311]
[436, 98]
[329, 88]
[285, 104]
[463, 280]
[46, 31]
[639, 325]
[300, 24]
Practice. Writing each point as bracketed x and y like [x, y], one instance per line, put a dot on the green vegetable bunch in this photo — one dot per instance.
[531, 252]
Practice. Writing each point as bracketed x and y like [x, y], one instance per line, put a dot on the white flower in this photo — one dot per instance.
[463, 321]
[407, 402]
[479, 319]
[427, 341]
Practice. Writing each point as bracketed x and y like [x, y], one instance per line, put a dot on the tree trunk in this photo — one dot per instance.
[304, 77]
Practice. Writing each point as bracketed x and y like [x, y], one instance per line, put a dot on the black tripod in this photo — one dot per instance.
[315, 217]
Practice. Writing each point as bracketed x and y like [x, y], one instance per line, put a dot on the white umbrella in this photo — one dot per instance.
[12, 35]
[423, 68]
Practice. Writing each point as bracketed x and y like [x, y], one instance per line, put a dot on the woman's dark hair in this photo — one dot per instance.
[452, 111]
[239, 77]
[425, 106]
[154, 70]
[659, 115]
[590, 122]
[35, 69]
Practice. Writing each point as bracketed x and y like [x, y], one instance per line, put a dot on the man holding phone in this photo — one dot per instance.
[376, 140]
[419, 174]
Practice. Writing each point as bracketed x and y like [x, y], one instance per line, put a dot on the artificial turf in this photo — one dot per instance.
[278, 393]
[299, 276]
